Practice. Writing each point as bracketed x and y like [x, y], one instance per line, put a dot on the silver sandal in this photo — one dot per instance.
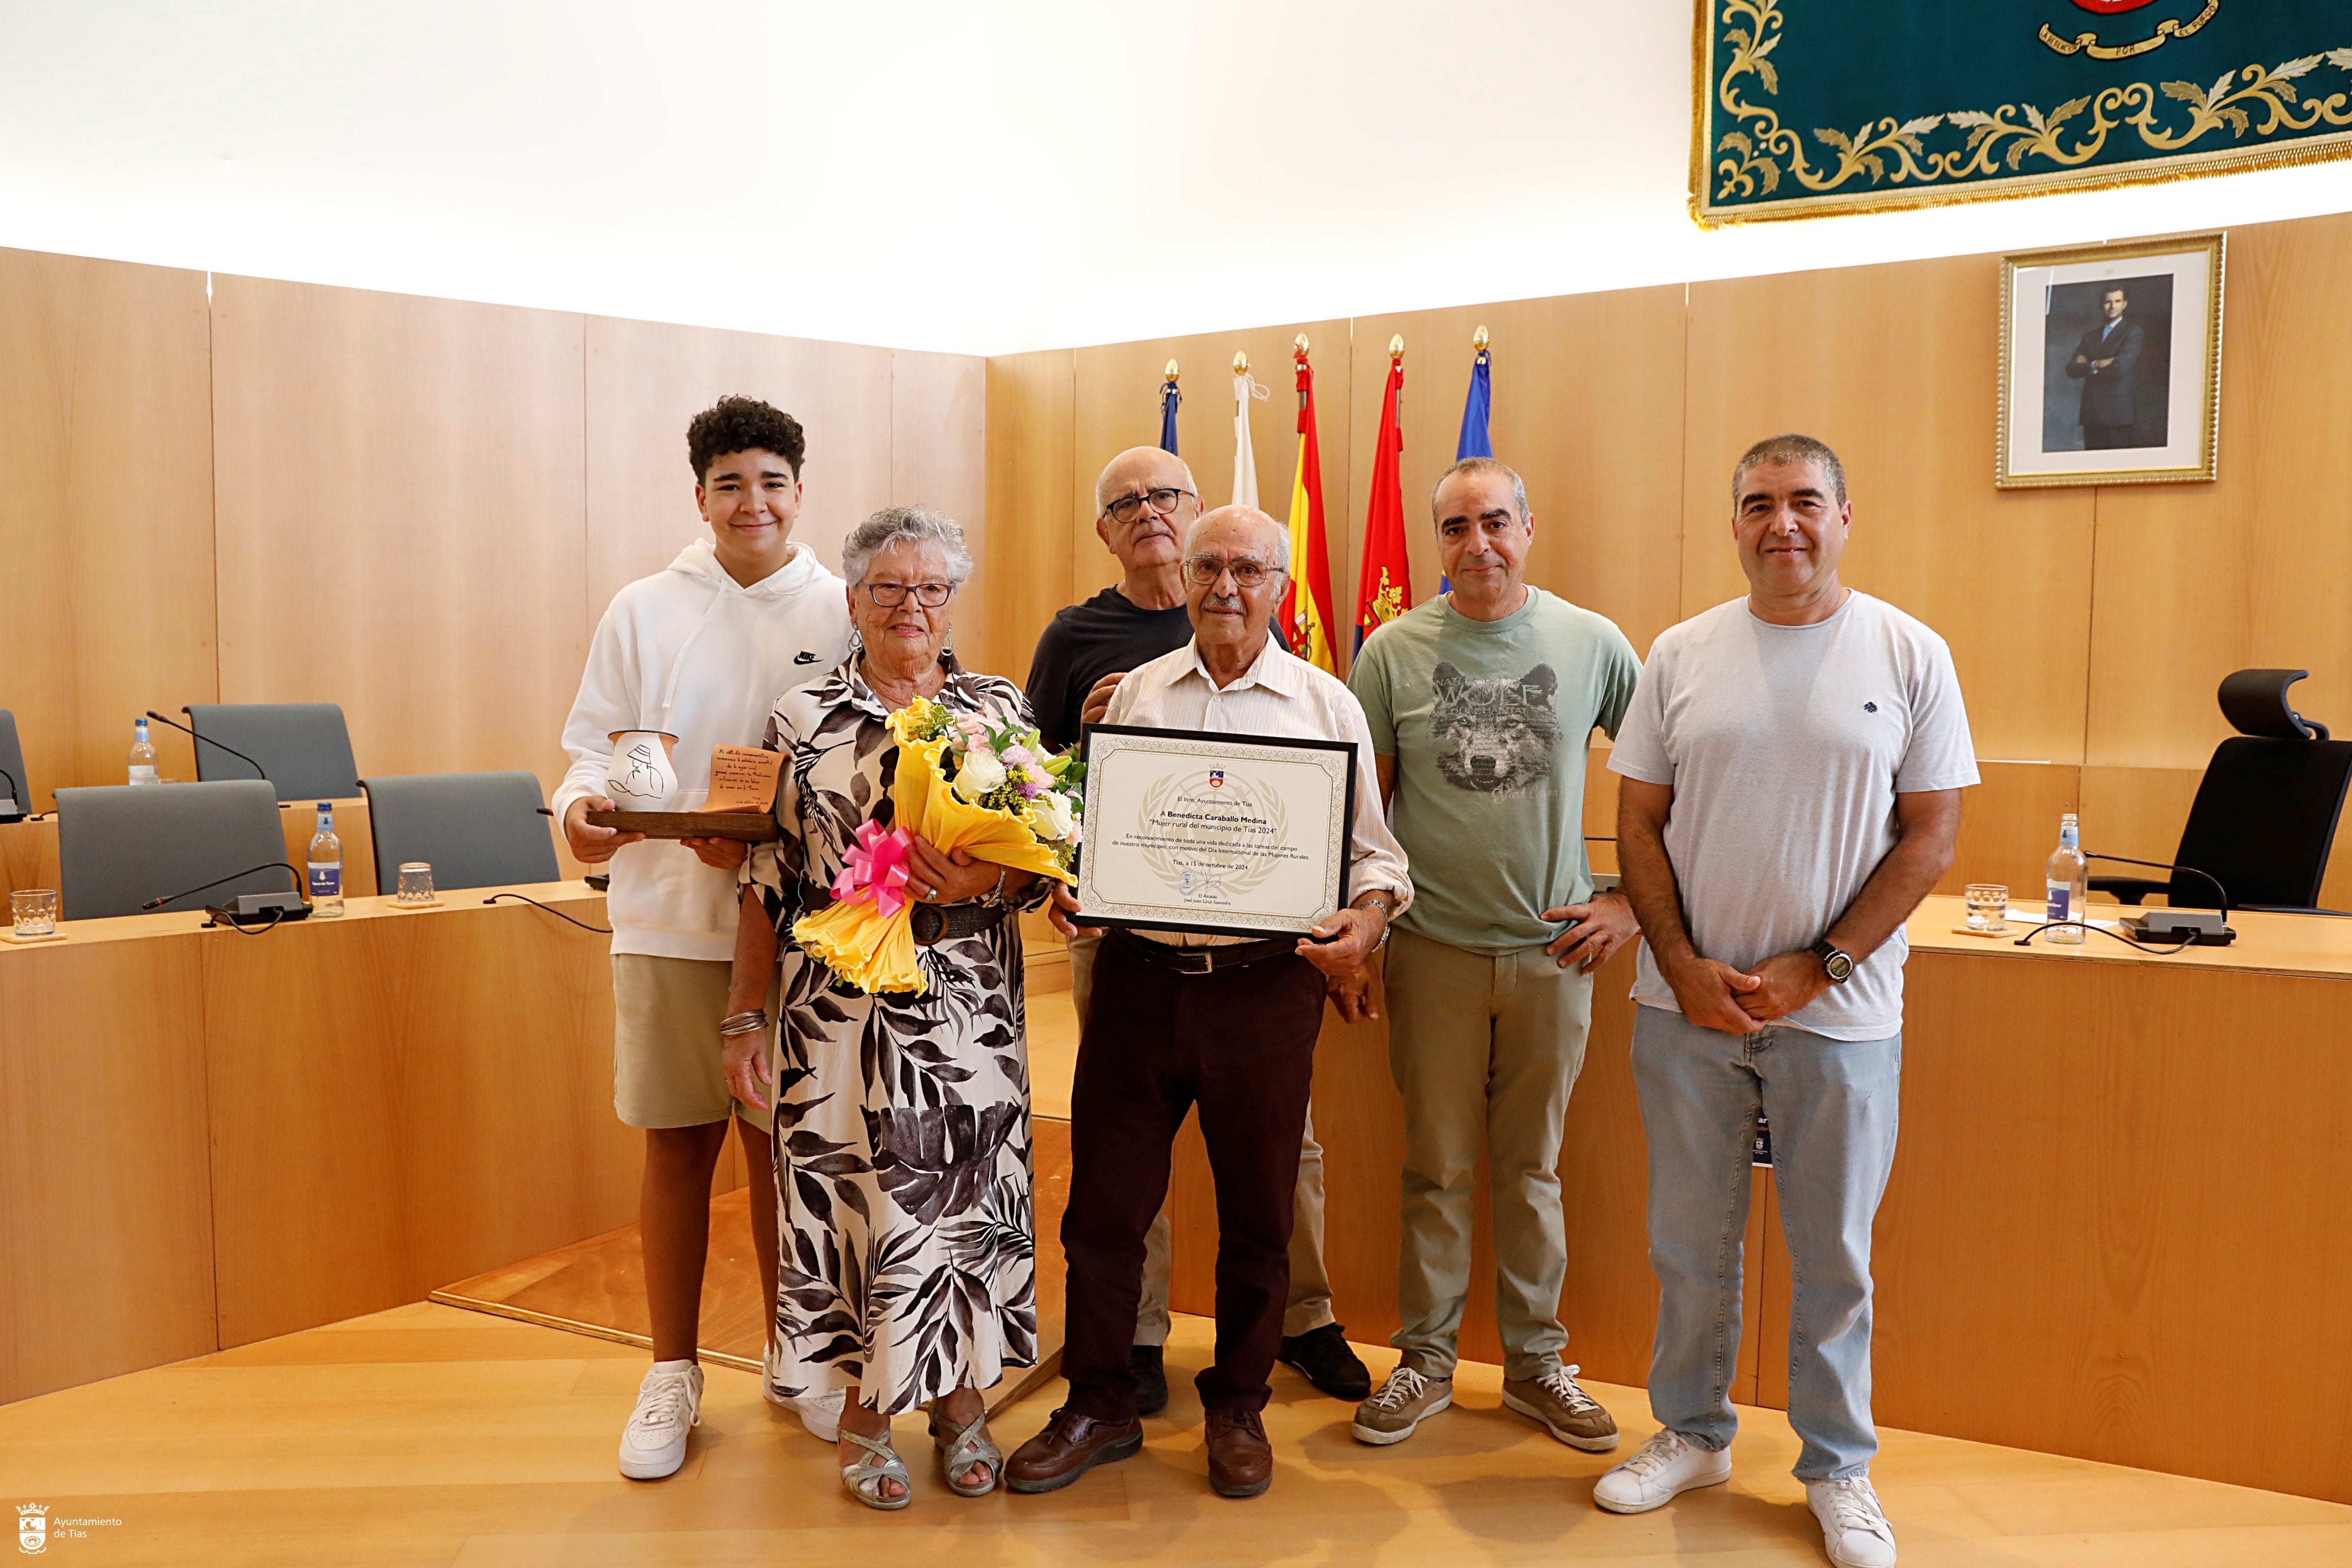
[881, 1463]
[967, 1449]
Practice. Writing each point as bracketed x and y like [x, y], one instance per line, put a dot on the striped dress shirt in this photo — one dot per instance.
[1283, 695]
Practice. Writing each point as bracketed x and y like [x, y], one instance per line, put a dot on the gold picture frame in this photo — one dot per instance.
[2148, 410]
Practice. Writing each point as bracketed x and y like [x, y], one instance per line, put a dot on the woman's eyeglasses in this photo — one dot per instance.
[890, 596]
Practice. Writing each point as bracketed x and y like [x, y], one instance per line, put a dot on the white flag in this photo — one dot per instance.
[1245, 387]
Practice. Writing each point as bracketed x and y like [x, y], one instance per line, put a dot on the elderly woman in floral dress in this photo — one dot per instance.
[907, 1273]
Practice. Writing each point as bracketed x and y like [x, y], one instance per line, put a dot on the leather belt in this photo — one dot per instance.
[935, 923]
[1207, 960]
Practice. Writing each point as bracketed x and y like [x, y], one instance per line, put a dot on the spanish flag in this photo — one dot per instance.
[1384, 592]
[1307, 615]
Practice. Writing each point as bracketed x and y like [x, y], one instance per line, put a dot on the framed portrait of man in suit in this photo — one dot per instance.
[2111, 363]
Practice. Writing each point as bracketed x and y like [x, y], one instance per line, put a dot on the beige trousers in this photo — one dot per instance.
[1310, 1287]
[1487, 1047]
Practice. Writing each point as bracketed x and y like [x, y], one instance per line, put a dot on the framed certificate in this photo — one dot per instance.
[1233, 834]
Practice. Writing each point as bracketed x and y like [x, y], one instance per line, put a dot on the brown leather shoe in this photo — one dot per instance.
[1241, 1461]
[1069, 1447]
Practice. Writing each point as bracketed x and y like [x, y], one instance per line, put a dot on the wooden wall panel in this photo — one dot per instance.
[1029, 501]
[1895, 367]
[1589, 409]
[106, 510]
[939, 404]
[647, 380]
[106, 1215]
[401, 525]
[2009, 825]
[2195, 581]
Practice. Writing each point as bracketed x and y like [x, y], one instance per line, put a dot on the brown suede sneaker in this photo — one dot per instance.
[1069, 1447]
[1403, 1403]
[1562, 1408]
[1241, 1461]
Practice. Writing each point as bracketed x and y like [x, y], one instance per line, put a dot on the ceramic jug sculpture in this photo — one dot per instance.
[640, 777]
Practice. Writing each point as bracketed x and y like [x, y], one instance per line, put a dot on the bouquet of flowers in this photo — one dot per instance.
[989, 789]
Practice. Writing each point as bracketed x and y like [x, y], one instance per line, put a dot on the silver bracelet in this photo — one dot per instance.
[752, 1022]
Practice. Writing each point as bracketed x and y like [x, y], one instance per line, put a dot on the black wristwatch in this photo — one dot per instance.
[1835, 959]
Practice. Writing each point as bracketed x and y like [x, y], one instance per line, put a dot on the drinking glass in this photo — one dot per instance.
[416, 883]
[1988, 907]
[35, 910]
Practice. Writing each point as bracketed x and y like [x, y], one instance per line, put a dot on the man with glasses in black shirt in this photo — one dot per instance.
[1144, 502]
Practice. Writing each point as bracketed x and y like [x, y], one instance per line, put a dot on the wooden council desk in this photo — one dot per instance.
[2119, 1227]
[209, 1138]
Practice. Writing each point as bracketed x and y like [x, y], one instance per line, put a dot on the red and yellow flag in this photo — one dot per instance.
[1384, 592]
[1307, 602]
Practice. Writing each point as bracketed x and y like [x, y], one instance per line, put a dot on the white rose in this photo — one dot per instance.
[1050, 817]
[979, 773]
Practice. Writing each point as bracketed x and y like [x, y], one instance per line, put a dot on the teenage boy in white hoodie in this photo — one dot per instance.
[701, 650]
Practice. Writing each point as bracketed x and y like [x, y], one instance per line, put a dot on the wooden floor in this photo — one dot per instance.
[431, 1436]
[597, 1286]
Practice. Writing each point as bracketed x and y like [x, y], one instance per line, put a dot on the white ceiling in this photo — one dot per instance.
[983, 177]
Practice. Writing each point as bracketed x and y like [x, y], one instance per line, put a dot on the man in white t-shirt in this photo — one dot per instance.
[1792, 765]
[700, 650]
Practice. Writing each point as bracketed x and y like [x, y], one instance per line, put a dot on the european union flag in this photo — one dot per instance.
[1168, 400]
[1475, 407]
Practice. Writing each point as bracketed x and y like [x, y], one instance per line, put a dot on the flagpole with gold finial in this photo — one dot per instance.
[1244, 455]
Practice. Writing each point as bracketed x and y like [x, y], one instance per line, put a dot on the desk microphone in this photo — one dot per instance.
[9, 810]
[250, 909]
[2202, 927]
[208, 741]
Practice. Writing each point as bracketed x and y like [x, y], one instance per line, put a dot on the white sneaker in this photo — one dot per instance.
[1853, 1527]
[819, 1413]
[669, 1406]
[1667, 1464]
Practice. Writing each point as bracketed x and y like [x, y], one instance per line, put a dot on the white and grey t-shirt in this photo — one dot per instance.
[1785, 747]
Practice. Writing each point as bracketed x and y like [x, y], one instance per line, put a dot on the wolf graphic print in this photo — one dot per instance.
[1494, 736]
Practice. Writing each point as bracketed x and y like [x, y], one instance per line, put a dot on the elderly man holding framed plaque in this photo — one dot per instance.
[1235, 842]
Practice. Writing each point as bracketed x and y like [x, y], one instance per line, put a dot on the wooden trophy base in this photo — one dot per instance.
[750, 827]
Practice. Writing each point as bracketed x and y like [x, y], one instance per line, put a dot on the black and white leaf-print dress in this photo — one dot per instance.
[908, 1241]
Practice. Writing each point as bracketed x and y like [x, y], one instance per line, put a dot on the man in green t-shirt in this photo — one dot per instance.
[1482, 703]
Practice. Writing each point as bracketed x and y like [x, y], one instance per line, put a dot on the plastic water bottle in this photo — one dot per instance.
[142, 755]
[326, 868]
[2069, 882]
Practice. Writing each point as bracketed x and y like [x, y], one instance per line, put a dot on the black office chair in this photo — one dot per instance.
[475, 830]
[304, 747]
[2264, 818]
[16, 789]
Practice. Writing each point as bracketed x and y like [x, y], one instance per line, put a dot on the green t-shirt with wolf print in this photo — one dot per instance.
[1490, 723]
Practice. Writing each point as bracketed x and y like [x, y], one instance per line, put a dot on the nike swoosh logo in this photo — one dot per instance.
[803, 656]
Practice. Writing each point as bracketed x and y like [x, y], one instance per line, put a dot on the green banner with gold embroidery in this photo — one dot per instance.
[1808, 107]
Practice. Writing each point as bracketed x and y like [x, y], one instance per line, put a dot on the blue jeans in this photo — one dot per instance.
[1834, 1107]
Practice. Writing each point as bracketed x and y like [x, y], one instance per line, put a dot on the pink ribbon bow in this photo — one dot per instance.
[877, 863]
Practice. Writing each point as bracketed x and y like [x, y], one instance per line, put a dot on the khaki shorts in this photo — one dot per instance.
[666, 1046]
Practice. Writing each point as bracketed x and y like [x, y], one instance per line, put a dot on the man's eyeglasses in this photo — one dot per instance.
[890, 596]
[1127, 508]
[1204, 570]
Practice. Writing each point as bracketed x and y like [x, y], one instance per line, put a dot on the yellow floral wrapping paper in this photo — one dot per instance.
[875, 952]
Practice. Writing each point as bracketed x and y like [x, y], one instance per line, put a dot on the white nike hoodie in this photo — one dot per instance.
[691, 651]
